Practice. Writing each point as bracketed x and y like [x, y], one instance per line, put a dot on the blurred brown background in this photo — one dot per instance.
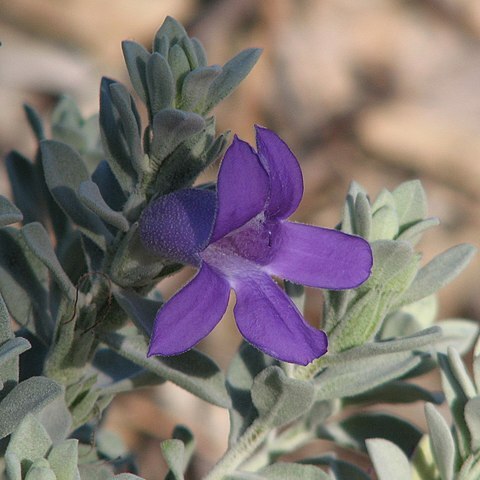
[379, 91]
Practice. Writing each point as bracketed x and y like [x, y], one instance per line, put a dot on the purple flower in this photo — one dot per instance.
[237, 238]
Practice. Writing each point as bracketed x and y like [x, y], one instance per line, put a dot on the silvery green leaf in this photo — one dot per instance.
[470, 469]
[384, 198]
[404, 344]
[136, 57]
[278, 398]
[109, 186]
[384, 224]
[160, 84]
[353, 431]
[10, 349]
[457, 333]
[170, 128]
[29, 441]
[35, 121]
[183, 434]
[389, 461]
[424, 310]
[39, 471]
[130, 125]
[195, 87]
[90, 196]
[67, 124]
[243, 476]
[244, 367]
[233, 72]
[9, 213]
[64, 172]
[173, 452]
[442, 443]
[161, 45]
[83, 410]
[122, 476]
[399, 324]
[216, 148]
[289, 471]
[101, 471]
[472, 417]
[357, 376]
[193, 371]
[141, 310]
[133, 265]
[185, 163]
[119, 127]
[438, 272]
[349, 211]
[413, 233]
[9, 361]
[457, 399]
[457, 367]
[29, 396]
[411, 202]
[66, 113]
[395, 264]
[115, 374]
[180, 66]
[56, 419]
[76, 390]
[24, 284]
[363, 216]
[13, 468]
[200, 52]
[458, 388]
[24, 181]
[336, 303]
[172, 29]
[396, 391]
[38, 240]
[341, 470]
[67, 357]
[189, 50]
[63, 459]
[6, 332]
[360, 322]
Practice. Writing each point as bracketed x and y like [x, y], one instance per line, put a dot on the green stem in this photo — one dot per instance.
[241, 450]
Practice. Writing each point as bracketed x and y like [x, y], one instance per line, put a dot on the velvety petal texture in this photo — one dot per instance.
[178, 225]
[320, 257]
[270, 321]
[238, 237]
[191, 314]
[242, 188]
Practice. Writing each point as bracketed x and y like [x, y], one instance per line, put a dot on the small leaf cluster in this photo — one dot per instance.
[445, 452]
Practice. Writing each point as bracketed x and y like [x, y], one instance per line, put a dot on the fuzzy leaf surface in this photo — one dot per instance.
[193, 371]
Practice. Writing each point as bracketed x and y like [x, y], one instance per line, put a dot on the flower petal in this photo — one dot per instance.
[177, 226]
[286, 181]
[242, 188]
[269, 320]
[319, 257]
[191, 314]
